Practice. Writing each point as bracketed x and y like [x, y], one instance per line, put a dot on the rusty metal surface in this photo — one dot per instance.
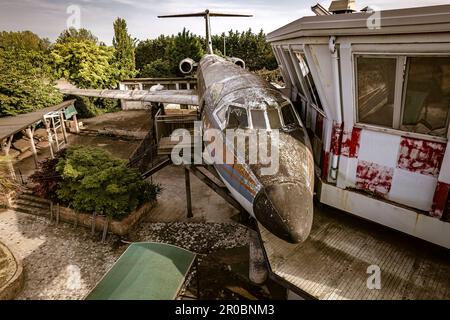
[333, 262]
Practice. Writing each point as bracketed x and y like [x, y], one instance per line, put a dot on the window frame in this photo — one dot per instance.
[401, 78]
[228, 112]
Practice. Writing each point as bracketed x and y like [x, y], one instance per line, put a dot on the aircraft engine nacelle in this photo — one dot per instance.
[239, 62]
[187, 65]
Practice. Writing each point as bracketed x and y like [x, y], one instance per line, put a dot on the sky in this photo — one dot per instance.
[48, 18]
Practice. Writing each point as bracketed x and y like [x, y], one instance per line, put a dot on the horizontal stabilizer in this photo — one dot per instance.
[188, 97]
[202, 14]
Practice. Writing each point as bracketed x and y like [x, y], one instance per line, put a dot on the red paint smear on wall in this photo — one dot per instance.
[336, 138]
[421, 156]
[374, 178]
[350, 143]
[440, 200]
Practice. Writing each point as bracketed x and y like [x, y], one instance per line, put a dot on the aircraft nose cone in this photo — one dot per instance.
[286, 210]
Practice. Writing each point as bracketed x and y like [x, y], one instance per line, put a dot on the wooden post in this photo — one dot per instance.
[188, 193]
[75, 120]
[50, 139]
[6, 149]
[53, 127]
[51, 211]
[76, 218]
[33, 146]
[105, 229]
[57, 213]
[63, 126]
[94, 216]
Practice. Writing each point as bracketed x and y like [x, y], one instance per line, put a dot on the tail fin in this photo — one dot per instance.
[206, 14]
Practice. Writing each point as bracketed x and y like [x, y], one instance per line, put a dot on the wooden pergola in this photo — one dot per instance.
[53, 119]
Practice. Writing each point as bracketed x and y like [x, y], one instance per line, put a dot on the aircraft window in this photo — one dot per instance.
[274, 118]
[258, 119]
[237, 118]
[288, 115]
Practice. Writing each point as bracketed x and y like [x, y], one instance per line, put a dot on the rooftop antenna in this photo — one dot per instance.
[206, 14]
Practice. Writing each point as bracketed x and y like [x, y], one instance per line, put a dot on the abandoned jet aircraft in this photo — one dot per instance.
[231, 97]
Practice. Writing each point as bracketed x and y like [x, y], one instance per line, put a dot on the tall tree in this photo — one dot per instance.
[184, 45]
[26, 78]
[25, 40]
[76, 35]
[124, 54]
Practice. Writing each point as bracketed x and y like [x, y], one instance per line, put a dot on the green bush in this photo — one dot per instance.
[92, 180]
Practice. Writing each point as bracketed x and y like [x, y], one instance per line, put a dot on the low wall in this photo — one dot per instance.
[120, 228]
[14, 284]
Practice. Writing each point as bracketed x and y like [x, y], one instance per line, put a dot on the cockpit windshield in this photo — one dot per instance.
[237, 118]
[258, 119]
[274, 118]
[288, 115]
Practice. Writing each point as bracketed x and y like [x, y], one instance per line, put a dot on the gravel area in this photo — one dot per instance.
[60, 262]
[201, 238]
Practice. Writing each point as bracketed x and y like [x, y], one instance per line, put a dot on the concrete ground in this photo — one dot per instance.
[133, 120]
[207, 206]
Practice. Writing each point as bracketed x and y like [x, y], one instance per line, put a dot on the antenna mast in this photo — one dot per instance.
[207, 14]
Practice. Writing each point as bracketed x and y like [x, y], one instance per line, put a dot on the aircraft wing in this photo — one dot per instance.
[188, 97]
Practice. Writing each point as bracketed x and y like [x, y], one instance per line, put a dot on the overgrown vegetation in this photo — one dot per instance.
[29, 65]
[160, 57]
[26, 78]
[92, 180]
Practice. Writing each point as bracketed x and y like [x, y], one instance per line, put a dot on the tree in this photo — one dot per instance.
[124, 54]
[252, 48]
[76, 35]
[85, 64]
[23, 40]
[95, 181]
[26, 82]
[184, 45]
[150, 50]
[157, 69]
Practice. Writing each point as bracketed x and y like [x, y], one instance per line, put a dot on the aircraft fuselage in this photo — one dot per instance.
[233, 98]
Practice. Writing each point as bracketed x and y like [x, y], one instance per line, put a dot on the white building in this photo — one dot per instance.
[373, 89]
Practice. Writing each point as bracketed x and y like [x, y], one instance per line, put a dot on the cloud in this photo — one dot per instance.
[48, 17]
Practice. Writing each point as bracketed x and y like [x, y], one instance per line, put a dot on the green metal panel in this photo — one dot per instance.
[70, 111]
[146, 271]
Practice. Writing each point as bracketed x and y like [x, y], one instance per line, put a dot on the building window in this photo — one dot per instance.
[407, 93]
[376, 90]
[427, 96]
[308, 79]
